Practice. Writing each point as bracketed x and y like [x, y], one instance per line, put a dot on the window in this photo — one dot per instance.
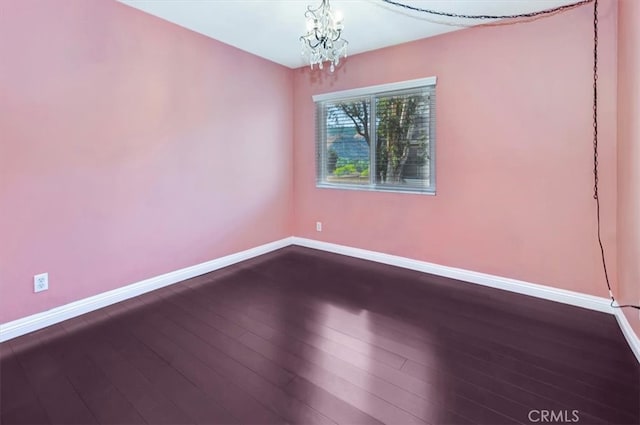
[377, 138]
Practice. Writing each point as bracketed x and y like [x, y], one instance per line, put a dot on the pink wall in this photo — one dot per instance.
[629, 156]
[514, 153]
[121, 136]
[130, 148]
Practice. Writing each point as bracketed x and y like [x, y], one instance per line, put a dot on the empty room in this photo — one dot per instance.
[319, 212]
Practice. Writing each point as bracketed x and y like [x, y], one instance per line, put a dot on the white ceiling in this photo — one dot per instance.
[272, 28]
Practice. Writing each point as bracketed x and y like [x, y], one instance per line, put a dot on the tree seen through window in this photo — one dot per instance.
[400, 133]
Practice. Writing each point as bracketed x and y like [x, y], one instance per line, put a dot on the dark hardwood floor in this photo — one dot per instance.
[300, 336]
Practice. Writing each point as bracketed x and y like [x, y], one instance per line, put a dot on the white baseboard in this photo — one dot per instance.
[37, 321]
[627, 331]
[578, 299]
[535, 290]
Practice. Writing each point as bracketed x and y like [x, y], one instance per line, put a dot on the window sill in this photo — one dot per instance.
[369, 188]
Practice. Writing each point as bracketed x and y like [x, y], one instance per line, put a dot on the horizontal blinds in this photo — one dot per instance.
[379, 140]
[403, 138]
[346, 129]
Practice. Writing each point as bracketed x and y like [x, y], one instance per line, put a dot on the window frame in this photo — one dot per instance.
[371, 92]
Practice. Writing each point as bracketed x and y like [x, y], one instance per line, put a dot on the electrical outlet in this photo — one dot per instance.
[318, 226]
[41, 282]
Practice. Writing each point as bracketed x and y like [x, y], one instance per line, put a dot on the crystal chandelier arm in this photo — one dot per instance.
[313, 11]
[338, 34]
[309, 41]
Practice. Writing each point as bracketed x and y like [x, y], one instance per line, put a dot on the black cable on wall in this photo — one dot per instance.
[596, 194]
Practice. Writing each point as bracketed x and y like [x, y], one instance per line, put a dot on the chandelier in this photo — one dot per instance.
[322, 41]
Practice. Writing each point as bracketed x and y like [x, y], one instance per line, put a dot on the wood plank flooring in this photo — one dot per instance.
[304, 337]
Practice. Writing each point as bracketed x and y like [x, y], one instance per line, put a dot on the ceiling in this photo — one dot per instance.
[271, 28]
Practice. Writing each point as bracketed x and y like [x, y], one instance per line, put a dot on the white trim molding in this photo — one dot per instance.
[521, 287]
[627, 331]
[564, 296]
[37, 321]
[380, 88]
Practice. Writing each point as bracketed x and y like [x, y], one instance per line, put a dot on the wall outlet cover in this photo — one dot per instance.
[41, 282]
